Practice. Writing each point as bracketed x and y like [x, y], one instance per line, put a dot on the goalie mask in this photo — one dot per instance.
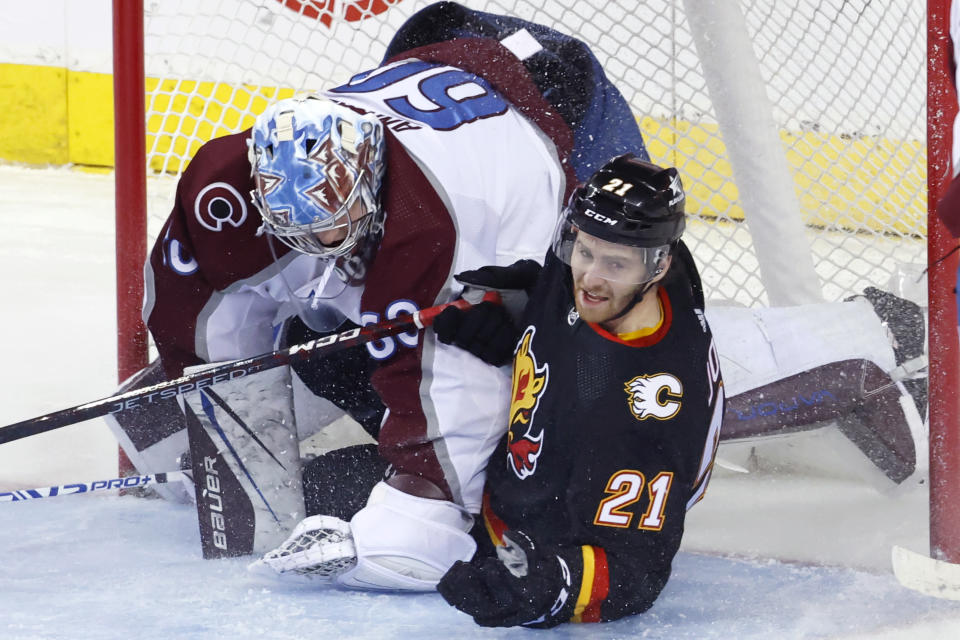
[624, 223]
[318, 168]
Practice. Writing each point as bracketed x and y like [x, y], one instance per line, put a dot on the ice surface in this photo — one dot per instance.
[107, 567]
[100, 566]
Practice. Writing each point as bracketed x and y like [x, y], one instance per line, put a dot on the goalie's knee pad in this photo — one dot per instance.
[405, 542]
[246, 462]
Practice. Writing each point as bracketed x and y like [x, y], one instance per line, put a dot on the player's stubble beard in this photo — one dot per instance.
[599, 302]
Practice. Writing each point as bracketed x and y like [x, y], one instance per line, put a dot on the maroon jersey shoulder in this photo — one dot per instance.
[416, 254]
[219, 218]
[208, 243]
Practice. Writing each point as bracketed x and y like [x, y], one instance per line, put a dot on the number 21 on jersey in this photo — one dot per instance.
[626, 486]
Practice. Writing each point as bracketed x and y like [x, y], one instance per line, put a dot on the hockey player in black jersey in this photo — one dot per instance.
[615, 413]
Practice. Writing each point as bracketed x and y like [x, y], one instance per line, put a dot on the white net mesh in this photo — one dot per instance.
[844, 79]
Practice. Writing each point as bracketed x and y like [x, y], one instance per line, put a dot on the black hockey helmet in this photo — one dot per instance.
[629, 201]
[626, 202]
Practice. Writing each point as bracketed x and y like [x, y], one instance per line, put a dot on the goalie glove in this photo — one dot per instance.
[487, 330]
[525, 585]
[319, 547]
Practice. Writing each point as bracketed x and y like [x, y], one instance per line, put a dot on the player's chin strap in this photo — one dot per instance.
[634, 301]
[682, 254]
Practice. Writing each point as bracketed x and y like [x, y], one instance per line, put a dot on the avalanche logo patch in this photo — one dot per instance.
[657, 396]
[529, 383]
[218, 204]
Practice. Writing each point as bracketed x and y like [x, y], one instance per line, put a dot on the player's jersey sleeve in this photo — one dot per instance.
[564, 69]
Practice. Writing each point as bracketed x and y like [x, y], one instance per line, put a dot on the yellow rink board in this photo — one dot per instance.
[33, 128]
[57, 116]
[841, 181]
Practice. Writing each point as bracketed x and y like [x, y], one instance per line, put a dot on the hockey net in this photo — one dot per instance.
[798, 127]
[839, 84]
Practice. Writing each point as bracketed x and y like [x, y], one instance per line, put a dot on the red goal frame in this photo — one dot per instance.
[130, 152]
[941, 279]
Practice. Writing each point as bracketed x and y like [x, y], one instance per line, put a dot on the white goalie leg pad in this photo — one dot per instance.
[313, 412]
[152, 433]
[759, 346]
[246, 462]
[405, 542]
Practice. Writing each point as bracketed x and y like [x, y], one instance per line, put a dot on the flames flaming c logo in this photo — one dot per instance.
[656, 396]
[529, 382]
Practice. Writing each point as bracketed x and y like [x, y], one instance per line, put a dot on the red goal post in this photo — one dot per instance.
[944, 408]
[130, 191]
[798, 128]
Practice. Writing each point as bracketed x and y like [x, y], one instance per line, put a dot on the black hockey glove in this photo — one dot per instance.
[525, 585]
[486, 330]
[514, 283]
[489, 331]
[520, 275]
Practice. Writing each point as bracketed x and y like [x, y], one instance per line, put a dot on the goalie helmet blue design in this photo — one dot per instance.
[318, 168]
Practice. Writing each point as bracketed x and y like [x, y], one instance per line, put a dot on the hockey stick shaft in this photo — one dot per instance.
[73, 488]
[227, 371]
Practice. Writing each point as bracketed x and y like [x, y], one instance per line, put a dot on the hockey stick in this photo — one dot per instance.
[927, 575]
[230, 370]
[73, 488]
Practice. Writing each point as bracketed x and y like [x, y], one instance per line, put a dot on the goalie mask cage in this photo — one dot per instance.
[798, 129]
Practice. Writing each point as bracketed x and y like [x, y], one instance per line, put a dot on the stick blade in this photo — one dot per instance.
[927, 575]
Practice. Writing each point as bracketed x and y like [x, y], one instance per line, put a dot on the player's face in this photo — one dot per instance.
[605, 277]
[334, 237]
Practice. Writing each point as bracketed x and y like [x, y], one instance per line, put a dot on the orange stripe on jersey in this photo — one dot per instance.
[594, 585]
[494, 525]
